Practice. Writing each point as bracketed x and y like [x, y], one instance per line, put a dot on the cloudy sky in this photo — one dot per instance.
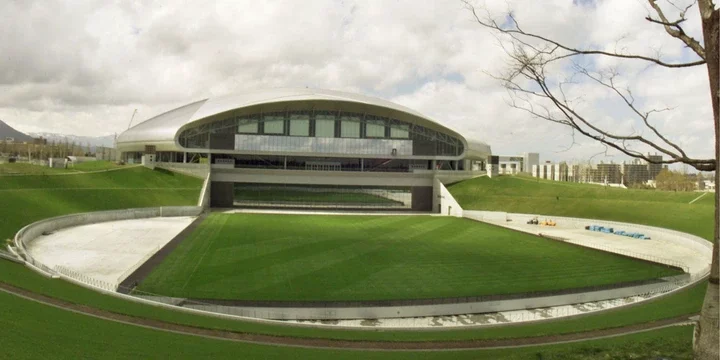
[81, 67]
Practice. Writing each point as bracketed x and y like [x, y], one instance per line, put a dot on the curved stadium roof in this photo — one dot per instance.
[164, 128]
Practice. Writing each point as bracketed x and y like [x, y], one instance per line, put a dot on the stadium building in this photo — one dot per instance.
[300, 147]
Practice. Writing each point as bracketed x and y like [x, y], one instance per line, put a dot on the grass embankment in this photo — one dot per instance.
[26, 332]
[29, 169]
[26, 199]
[522, 194]
[325, 258]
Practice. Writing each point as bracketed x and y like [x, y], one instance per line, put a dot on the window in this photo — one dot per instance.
[375, 129]
[274, 124]
[299, 125]
[350, 127]
[248, 126]
[400, 131]
[324, 126]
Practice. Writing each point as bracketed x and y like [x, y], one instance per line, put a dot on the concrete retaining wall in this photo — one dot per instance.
[386, 312]
[200, 171]
[204, 200]
[444, 201]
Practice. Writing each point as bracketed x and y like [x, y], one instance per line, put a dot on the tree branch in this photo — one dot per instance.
[674, 29]
[516, 33]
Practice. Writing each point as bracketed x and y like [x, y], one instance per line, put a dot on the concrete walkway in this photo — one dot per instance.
[107, 251]
[663, 245]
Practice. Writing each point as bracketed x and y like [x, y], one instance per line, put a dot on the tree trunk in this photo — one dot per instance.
[707, 330]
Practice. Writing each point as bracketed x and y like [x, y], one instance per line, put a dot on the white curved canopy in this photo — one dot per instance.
[164, 128]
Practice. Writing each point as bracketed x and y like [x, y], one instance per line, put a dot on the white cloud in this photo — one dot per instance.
[82, 67]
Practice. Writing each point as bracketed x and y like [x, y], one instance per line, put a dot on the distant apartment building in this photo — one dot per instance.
[654, 166]
[626, 173]
[609, 173]
[549, 171]
[636, 172]
[511, 165]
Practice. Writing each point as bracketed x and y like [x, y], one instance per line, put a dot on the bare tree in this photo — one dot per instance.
[529, 79]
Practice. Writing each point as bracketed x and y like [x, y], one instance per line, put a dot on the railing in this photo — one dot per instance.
[85, 279]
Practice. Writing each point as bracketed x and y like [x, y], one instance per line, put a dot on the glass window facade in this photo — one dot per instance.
[326, 131]
[400, 131]
[274, 124]
[375, 129]
[325, 126]
[349, 127]
[300, 125]
[248, 126]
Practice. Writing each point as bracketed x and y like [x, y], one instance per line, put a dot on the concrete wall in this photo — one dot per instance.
[422, 198]
[222, 194]
[449, 177]
[204, 199]
[383, 312]
[195, 170]
[444, 201]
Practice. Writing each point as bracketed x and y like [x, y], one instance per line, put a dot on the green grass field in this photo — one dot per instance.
[308, 197]
[306, 257]
[29, 169]
[27, 333]
[648, 207]
[26, 199]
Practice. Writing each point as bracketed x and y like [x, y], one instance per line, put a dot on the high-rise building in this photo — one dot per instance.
[635, 172]
[530, 159]
[608, 173]
[654, 165]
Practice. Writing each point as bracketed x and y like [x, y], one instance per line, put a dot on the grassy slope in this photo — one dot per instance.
[25, 168]
[249, 257]
[649, 207]
[26, 199]
[97, 166]
[26, 333]
[29, 169]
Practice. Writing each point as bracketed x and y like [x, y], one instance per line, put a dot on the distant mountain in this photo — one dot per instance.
[94, 141]
[6, 131]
